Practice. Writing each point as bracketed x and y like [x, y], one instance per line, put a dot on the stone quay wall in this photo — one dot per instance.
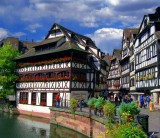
[82, 122]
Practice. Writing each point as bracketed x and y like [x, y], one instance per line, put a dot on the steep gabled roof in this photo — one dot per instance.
[116, 54]
[17, 44]
[48, 41]
[157, 34]
[129, 31]
[64, 47]
[66, 31]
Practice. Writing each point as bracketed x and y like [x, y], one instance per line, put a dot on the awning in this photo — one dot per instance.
[115, 91]
[138, 93]
[155, 90]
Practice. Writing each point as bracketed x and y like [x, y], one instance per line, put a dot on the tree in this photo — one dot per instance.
[7, 69]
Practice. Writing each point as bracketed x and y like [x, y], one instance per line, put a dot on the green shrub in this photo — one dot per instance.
[109, 110]
[91, 102]
[73, 105]
[130, 108]
[125, 131]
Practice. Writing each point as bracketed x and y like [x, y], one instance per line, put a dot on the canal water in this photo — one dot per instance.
[21, 126]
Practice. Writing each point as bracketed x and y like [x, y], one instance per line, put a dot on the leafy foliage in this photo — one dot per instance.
[73, 105]
[91, 102]
[109, 110]
[125, 131]
[99, 103]
[7, 69]
[130, 108]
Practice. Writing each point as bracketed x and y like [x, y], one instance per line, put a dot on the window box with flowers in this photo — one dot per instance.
[43, 103]
[109, 85]
[116, 84]
[141, 78]
[23, 101]
[33, 102]
[151, 76]
[46, 62]
[145, 77]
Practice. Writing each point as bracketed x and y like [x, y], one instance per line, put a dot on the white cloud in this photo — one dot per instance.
[90, 13]
[107, 39]
[18, 34]
[3, 33]
[33, 27]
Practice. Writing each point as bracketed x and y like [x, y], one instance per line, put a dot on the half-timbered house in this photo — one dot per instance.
[127, 60]
[113, 80]
[147, 66]
[64, 62]
[133, 34]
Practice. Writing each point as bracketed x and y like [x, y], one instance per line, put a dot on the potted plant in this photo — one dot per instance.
[91, 102]
[127, 111]
[73, 105]
[99, 105]
[109, 109]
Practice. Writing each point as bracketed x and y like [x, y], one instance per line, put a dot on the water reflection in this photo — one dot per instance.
[30, 127]
[62, 132]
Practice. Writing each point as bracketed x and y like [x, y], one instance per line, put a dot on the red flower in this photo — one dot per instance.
[43, 103]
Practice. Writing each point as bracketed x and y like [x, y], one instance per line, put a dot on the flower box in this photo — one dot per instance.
[23, 101]
[116, 84]
[33, 102]
[43, 103]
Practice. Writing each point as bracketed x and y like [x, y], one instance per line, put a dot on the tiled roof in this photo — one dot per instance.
[117, 54]
[79, 36]
[17, 44]
[128, 31]
[157, 34]
[47, 41]
[64, 47]
[108, 59]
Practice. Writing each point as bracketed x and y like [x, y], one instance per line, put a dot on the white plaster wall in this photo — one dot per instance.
[152, 30]
[17, 98]
[33, 108]
[81, 47]
[79, 95]
[94, 50]
[49, 99]
[57, 35]
[29, 97]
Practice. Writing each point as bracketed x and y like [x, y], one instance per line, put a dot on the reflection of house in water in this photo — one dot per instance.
[39, 126]
[62, 132]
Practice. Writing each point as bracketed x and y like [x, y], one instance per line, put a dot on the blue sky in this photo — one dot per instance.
[102, 20]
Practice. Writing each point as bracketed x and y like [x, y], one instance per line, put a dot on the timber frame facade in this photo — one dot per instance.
[113, 80]
[65, 62]
[147, 57]
[127, 60]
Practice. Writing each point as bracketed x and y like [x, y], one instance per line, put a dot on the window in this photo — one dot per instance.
[33, 101]
[132, 82]
[154, 50]
[148, 53]
[43, 99]
[23, 99]
[132, 66]
[54, 99]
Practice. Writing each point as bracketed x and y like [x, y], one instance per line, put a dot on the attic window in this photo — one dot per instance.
[45, 47]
